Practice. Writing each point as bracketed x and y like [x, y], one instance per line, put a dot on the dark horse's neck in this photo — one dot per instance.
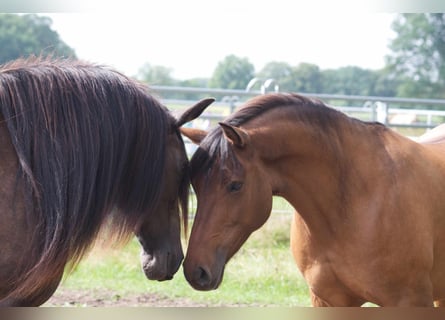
[317, 165]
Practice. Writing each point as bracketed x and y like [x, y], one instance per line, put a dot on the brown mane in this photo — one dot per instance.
[305, 109]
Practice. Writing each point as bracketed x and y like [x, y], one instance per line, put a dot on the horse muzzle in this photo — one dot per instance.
[201, 277]
[161, 266]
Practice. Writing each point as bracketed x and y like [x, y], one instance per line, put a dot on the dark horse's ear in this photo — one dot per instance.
[194, 111]
[196, 135]
[235, 135]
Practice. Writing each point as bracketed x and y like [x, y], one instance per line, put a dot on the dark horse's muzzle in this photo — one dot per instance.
[161, 265]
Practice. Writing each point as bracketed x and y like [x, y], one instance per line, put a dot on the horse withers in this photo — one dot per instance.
[370, 203]
[82, 147]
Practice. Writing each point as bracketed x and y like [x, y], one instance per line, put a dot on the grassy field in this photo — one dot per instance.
[261, 273]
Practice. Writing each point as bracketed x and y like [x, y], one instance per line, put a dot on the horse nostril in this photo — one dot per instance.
[202, 277]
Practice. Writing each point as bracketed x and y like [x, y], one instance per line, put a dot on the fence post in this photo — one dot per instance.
[266, 84]
[231, 100]
[382, 112]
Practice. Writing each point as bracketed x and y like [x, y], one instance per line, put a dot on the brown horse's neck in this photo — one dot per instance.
[317, 170]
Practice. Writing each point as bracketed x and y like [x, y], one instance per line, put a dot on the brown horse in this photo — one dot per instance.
[82, 147]
[370, 202]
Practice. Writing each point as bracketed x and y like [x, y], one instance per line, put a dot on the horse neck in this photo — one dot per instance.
[317, 169]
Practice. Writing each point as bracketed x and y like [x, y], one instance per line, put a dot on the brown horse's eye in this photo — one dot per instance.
[235, 186]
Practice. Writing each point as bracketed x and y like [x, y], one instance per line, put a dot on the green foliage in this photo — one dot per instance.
[418, 55]
[196, 82]
[385, 85]
[23, 35]
[350, 81]
[232, 73]
[308, 78]
[305, 77]
[161, 76]
[156, 75]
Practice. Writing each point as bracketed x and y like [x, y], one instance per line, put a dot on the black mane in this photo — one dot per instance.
[90, 142]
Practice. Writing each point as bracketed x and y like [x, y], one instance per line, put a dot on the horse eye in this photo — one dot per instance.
[235, 186]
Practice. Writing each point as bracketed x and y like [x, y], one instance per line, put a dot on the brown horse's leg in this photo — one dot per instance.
[337, 299]
[317, 301]
[411, 296]
[329, 291]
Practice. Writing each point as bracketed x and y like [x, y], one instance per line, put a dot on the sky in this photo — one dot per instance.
[191, 37]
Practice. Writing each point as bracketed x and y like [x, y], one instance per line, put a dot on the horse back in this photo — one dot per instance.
[433, 136]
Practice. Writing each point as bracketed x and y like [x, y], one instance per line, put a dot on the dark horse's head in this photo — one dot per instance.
[94, 149]
[159, 233]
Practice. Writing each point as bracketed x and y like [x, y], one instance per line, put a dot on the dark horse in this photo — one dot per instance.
[83, 147]
[370, 221]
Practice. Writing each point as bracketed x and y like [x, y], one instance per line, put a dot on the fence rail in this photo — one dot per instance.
[394, 112]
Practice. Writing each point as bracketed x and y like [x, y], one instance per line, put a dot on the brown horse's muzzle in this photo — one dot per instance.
[203, 276]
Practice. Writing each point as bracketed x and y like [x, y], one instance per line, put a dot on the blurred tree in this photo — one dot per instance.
[195, 82]
[307, 78]
[281, 72]
[418, 54]
[24, 35]
[156, 75]
[385, 85]
[349, 80]
[232, 73]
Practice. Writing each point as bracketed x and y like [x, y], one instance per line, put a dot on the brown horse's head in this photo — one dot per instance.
[233, 201]
[159, 234]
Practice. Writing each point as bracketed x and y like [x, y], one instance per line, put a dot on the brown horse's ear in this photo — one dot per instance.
[195, 135]
[194, 111]
[235, 135]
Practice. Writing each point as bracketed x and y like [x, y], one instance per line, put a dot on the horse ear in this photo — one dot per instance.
[235, 135]
[194, 111]
[195, 135]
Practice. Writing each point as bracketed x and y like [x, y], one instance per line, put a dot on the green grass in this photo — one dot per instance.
[261, 273]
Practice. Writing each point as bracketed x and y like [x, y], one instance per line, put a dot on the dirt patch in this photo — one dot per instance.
[74, 298]
[102, 298]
